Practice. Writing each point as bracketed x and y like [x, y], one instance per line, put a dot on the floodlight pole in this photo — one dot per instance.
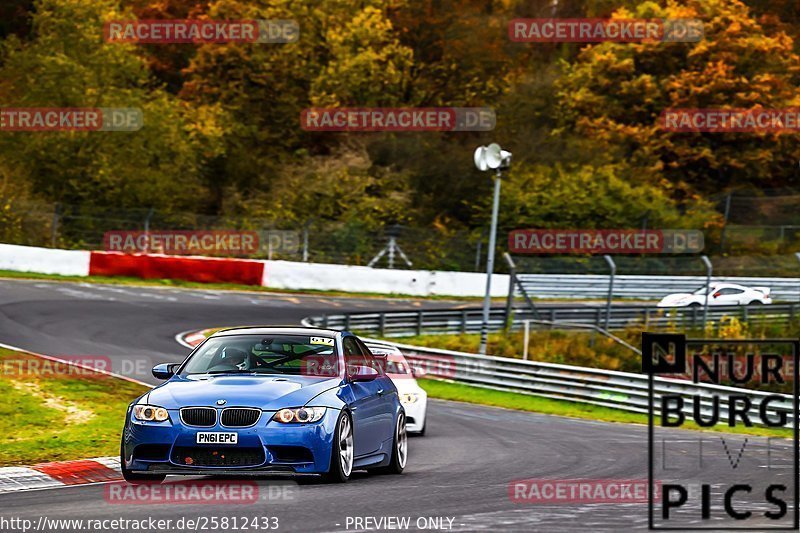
[487, 299]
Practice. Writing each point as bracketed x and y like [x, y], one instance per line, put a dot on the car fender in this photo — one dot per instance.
[332, 398]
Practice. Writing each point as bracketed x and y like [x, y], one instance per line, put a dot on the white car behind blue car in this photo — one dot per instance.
[413, 398]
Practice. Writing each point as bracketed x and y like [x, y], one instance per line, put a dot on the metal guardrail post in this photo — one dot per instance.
[463, 321]
[512, 281]
[54, 225]
[709, 270]
[612, 275]
[526, 338]
[382, 324]
[797, 255]
[305, 242]
[724, 223]
[347, 322]
[419, 323]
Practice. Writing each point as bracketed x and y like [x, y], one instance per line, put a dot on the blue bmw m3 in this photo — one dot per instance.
[254, 401]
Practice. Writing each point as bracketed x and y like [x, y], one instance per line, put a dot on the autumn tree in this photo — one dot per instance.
[167, 61]
[615, 93]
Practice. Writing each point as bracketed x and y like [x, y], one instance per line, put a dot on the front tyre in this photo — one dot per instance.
[399, 449]
[137, 479]
[341, 451]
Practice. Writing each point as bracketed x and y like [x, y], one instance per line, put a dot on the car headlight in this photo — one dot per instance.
[302, 415]
[150, 413]
[409, 397]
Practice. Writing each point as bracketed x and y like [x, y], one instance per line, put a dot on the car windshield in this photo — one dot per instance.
[265, 354]
[702, 290]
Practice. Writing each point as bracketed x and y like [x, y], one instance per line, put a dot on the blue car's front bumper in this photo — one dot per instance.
[268, 446]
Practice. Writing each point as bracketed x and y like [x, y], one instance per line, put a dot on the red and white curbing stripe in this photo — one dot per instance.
[59, 474]
[190, 339]
[67, 473]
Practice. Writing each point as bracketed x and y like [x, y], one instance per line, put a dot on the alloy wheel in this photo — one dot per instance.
[346, 445]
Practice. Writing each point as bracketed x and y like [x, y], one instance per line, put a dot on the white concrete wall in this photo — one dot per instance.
[318, 276]
[44, 260]
[286, 274]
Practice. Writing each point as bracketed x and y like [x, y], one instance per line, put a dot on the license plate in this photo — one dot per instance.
[208, 437]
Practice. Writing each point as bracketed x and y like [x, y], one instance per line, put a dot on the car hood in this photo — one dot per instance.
[267, 392]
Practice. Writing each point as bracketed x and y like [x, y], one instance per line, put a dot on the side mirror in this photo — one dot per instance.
[165, 370]
[364, 373]
[716, 294]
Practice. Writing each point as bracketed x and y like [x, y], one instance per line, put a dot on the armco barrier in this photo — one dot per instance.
[607, 388]
[456, 321]
[317, 276]
[643, 287]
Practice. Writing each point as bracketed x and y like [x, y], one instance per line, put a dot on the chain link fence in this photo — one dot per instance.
[353, 243]
[761, 237]
[768, 223]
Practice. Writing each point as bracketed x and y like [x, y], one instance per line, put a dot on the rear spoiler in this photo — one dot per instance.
[762, 290]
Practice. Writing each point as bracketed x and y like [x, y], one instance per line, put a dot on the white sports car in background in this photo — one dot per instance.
[413, 397]
[720, 294]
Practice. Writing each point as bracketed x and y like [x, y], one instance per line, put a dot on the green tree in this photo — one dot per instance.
[67, 64]
[583, 196]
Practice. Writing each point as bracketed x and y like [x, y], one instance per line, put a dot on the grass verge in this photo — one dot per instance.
[445, 390]
[55, 412]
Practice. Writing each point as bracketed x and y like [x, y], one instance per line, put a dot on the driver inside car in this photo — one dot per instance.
[234, 357]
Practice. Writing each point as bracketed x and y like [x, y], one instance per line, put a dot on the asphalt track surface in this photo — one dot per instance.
[461, 470]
